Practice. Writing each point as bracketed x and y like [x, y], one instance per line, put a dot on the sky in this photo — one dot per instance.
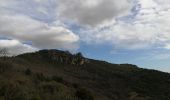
[117, 31]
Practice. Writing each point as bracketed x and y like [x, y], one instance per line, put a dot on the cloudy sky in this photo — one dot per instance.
[118, 31]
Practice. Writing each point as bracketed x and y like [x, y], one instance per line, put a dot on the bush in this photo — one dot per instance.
[36, 97]
[28, 71]
[58, 79]
[75, 85]
[42, 77]
[4, 66]
[84, 94]
[13, 91]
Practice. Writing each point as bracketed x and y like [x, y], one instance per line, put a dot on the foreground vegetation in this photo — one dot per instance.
[58, 75]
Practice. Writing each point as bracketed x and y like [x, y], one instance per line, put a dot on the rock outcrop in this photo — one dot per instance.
[64, 57]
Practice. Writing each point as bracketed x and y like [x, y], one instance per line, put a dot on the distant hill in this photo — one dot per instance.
[60, 75]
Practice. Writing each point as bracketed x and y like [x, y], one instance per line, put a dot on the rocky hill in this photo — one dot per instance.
[60, 75]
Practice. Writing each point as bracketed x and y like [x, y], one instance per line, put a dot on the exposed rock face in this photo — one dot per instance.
[64, 57]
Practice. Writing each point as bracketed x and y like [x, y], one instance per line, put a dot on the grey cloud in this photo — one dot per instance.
[150, 25]
[42, 35]
[93, 12]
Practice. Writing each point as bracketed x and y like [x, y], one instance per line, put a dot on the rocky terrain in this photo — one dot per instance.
[60, 75]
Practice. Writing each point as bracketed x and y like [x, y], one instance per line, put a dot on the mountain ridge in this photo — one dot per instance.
[60, 75]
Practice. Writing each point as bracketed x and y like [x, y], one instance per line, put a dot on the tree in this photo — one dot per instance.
[4, 52]
[79, 55]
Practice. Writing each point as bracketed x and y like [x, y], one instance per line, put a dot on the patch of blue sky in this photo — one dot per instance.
[134, 12]
[28, 42]
[4, 38]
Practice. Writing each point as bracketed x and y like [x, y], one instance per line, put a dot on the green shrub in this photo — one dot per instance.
[28, 71]
[84, 94]
[75, 85]
[50, 87]
[42, 77]
[36, 97]
[13, 91]
[58, 79]
[4, 66]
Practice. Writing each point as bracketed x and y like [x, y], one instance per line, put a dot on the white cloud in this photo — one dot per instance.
[42, 35]
[123, 35]
[37, 21]
[15, 47]
[167, 46]
[149, 28]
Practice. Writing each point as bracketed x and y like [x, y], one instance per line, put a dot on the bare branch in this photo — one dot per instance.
[4, 52]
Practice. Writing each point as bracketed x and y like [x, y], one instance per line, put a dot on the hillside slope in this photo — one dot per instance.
[59, 75]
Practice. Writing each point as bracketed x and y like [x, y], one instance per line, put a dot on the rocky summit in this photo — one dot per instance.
[60, 75]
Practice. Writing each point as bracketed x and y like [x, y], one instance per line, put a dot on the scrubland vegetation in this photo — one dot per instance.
[60, 75]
